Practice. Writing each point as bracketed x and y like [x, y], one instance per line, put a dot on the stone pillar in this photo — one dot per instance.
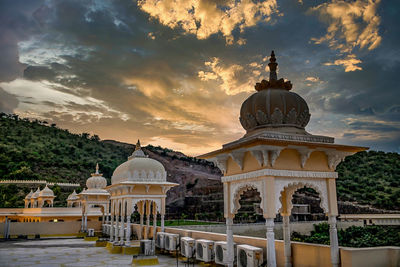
[286, 238]
[162, 223]
[141, 227]
[271, 257]
[122, 229]
[85, 223]
[112, 228]
[154, 225]
[116, 232]
[229, 241]
[82, 223]
[334, 241]
[148, 212]
[128, 230]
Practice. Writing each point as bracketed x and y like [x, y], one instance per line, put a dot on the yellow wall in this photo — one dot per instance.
[289, 159]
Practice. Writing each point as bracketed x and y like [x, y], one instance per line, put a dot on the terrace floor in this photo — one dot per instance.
[65, 253]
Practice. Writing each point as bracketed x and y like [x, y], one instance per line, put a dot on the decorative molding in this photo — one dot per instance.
[335, 157]
[279, 173]
[304, 152]
[147, 188]
[274, 154]
[258, 155]
[37, 182]
[238, 156]
[291, 187]
[220, 161]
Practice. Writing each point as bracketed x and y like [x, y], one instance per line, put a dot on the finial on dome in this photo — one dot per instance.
[273, 82]
[97, 171]
[138, 147]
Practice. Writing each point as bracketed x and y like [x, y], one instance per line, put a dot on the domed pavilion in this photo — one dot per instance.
[94, 196]
[73, 200]
[46, 196]
[28, 199]
[139, 181]
[276, 157]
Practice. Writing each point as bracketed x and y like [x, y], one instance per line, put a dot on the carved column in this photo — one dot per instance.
[286, 238]
[148, 213]
[154, 221]
[141, 212]
[111, 228]
[271, 257]
[334, 241]
[229, 241]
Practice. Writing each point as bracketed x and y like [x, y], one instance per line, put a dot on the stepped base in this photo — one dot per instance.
[90, 238]
[145, 261]
[133, 250]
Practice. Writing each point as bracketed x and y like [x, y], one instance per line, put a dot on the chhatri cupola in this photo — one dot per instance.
[274, 107]
[276, 157]
[139, 168]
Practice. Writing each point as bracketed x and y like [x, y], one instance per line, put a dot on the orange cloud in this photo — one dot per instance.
[350, 63]
[204, 18]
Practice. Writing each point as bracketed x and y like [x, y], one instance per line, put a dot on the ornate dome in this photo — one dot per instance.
[46, 192]
[139, 168]
[274, 107]
[97, 181]
[36, 194]
[73, 196]
[28, 196]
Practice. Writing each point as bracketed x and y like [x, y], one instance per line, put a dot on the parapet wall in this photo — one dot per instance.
[47, 228]
[304, 254]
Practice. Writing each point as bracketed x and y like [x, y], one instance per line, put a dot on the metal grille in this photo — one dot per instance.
[200, 250]
[243, 258]
[220, 253]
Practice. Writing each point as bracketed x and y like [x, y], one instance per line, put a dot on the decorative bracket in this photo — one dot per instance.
[147, 188]
[274, 154]
[220, 161]
[335, 157]
[238, 156]
[304, 152]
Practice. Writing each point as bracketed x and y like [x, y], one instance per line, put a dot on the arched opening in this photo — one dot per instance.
[249, 210]
[306, 205]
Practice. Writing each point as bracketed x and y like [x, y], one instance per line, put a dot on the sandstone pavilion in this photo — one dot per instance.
[276, 157]
[140, 182]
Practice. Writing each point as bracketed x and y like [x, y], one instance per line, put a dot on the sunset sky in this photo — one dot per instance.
[175, 72]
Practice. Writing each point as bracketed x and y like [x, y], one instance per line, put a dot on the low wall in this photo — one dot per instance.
[47, 228]
[259, 230]
[304, 254]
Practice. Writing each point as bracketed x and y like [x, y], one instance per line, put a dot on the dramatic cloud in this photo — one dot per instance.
[351, 24]
[206, 17]
[164, 72]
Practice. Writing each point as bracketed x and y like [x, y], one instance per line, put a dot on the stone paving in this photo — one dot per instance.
[66, 253]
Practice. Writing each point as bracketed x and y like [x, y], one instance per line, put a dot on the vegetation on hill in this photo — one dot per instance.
[354, 236]
[36, 150]
[371, 178]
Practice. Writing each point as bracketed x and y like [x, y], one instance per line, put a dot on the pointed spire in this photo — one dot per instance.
[138, 152]
[138, 147]
[97, 168]
[272, 67]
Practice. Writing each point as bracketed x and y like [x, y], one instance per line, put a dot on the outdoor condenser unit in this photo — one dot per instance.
[90, 232]
[221, 252]
[249, 256]
[146, 247]
[160, 240]
[187, 247]
[205, 250]
[171, 241]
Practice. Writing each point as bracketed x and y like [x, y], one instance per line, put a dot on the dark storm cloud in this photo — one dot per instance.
[142, 78]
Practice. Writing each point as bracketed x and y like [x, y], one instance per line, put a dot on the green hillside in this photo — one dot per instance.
[370, 178]
[36, 150]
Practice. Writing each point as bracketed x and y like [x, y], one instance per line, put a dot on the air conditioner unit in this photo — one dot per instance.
[160, 240]
[221, 252]
[205, 250]
[187, 247]
[90, 232]
[249, 256]
[146, 247]
[171, 241]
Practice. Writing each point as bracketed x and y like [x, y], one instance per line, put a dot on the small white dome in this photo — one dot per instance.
[36, 194]
[28, 196]
[73, 196]
[97, 181]
[139, 168]
[46, 192]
